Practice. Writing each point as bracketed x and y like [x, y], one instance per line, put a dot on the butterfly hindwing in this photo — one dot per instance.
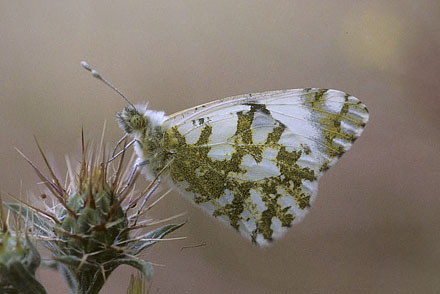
[254, 161]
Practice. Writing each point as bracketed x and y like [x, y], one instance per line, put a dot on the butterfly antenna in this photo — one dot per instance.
[99, 77]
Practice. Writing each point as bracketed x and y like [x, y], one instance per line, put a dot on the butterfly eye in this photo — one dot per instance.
[137, 122]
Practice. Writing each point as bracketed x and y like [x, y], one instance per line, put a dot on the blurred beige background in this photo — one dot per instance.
[375, 227]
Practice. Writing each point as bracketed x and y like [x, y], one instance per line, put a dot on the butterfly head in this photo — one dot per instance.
[132, 118]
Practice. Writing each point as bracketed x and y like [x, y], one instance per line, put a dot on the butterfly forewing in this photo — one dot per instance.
[254, 161]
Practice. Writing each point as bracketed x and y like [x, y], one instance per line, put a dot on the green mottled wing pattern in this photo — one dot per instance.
[253, 161]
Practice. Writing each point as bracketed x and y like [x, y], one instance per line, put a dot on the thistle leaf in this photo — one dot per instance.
[68, 260]
[50, 264]
[33, 259]
[22, 280]
[137, 285]
[137, 246]
[34, 219]
[72, 283]
[143, 266]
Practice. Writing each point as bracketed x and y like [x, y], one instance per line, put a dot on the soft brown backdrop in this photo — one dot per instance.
[375, 227]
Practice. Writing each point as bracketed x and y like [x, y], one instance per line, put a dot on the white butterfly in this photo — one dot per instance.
[252, 161]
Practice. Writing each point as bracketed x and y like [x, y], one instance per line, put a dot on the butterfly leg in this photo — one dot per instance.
[114, 156]
[132, 173]
[147, 196]
[119, 143]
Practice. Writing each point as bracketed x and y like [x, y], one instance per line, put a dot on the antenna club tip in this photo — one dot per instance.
[95, 73]
[90, 69]
[86, 65]
[99, 77]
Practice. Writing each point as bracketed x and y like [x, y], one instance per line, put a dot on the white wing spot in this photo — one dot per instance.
[194, 135]
[256, 199]
[334, 100]
[257, 171]
[226, 198]
[353, 99]
[342, 143]
[356, 113]
[221, 152]
[277, 227]
[349, 128]
[309, 187]
[247, 222]
[262, 125]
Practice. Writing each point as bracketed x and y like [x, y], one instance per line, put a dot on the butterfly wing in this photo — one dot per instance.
[254, 161]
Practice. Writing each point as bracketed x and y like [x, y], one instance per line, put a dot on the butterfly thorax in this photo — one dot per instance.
[145, 126]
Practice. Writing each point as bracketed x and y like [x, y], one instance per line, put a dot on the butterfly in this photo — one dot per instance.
[252, 161]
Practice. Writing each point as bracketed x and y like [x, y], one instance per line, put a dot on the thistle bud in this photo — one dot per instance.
[19, 259]
[90, 231]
